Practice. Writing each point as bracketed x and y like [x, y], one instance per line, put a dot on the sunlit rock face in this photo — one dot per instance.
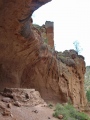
[27, 61]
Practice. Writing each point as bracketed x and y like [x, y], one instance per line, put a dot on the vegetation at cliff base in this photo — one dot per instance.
[69, 113]
[88, 95]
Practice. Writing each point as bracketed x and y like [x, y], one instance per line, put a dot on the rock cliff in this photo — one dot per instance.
[26, 61]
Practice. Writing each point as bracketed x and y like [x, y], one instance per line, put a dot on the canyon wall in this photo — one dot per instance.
[27, 61]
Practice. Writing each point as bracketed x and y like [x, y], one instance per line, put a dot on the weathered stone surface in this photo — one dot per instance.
[33, 100]
[50, 32]
[27, 62]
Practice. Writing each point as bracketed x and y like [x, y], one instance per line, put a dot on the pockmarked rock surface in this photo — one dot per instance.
[26, 61]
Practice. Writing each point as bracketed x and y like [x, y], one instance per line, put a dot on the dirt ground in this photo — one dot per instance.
[15, 106]
[29, 113]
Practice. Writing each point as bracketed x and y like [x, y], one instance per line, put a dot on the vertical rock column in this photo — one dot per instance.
[50, 32]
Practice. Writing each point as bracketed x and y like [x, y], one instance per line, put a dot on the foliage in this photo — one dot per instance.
[77, 47]
[69, 113]
[36, 26]
[88, 95]
[46, 40]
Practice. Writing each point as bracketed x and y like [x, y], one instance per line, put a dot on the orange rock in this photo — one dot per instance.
[50, 33]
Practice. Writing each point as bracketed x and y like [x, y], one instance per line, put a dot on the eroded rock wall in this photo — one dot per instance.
[27, 62]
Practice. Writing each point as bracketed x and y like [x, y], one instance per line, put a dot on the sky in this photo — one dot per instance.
[71, 22]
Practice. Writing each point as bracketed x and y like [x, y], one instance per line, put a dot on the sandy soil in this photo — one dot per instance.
[29, 113]
[34, 109]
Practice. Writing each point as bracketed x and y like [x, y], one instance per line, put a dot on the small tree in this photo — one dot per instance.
[77, 46]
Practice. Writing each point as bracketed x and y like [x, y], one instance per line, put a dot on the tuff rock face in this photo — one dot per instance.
[47, 32]
[27, 62]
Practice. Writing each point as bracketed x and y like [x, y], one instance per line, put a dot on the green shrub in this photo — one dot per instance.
[69, 113]
[88, 95]
[46, 40]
